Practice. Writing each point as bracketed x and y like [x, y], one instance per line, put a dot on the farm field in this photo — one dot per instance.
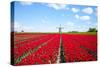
[46, 48]
[52, 33]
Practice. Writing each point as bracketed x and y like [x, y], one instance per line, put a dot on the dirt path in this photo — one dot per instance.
[61, 58]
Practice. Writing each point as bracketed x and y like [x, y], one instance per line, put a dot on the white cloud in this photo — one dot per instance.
[26, 3]
[96, 11]
[88, 10]
[19, 27]
[82, 17]
[67, 8]
[44, 19]
[85, 17]
[75, 10]
[57, 6]
[27, 28]
[77, 16]
[69, 24]
[89, 23]
[94, 25]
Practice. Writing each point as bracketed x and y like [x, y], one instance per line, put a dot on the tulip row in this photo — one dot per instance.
[44, 55]
[23, 48]
[73, 51]
[22, 39]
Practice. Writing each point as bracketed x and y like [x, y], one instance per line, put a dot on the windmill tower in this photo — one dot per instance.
[60, 57]
[60, 29]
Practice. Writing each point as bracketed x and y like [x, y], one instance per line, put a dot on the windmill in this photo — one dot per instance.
[61, 57]
[60, 29]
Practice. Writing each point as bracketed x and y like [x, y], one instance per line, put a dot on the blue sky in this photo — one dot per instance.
[46, 17]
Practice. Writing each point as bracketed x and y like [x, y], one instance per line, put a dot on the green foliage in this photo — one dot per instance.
[73, 32]
[92, 30]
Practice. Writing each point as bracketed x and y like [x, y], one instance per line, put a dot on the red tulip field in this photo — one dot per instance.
[52, 48]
